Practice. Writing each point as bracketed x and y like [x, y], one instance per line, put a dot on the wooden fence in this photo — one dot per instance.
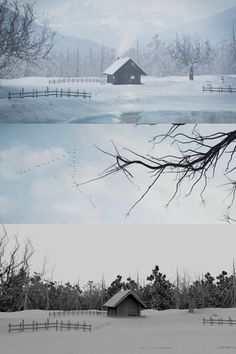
[59, 326]
[100, 80]
[47, 93]
[210, 88]
[219, 321]
[77, 313]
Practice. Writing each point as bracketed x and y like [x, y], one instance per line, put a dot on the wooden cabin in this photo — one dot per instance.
[124, 71]
[123, 304]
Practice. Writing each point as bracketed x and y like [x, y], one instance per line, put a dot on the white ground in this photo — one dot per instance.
[164, 100]
[172, 331]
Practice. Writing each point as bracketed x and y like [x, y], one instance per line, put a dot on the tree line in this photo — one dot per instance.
[20, 289]
[27, 49]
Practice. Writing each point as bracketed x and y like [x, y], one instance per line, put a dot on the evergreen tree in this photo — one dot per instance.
[159, 293]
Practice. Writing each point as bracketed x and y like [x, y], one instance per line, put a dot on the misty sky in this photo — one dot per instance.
[39, 164]
[88, 252]
[111, 21]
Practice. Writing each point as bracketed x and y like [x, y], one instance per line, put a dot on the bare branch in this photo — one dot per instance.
[196, 165]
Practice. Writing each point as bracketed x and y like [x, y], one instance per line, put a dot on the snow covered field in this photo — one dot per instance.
[172, 331]
[158, 100]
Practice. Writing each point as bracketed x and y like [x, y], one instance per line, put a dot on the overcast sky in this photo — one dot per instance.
[88, 252]
[114, 20]
[40, 163]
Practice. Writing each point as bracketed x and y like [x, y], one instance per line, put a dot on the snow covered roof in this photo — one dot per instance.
[113, 68]
[120, 296]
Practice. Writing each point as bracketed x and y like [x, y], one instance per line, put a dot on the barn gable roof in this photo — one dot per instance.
[118, 64]
[120, 296]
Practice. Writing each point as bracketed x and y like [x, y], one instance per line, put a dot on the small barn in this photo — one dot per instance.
[124, 71]
[124, 303]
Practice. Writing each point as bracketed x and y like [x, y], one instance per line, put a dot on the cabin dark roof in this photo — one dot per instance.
[120, 296]
[118, 64]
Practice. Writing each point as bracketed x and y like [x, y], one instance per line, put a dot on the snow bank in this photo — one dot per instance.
[163, 100]
[174, 331]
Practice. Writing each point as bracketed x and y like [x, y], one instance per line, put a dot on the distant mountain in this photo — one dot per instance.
[63, 42]
[215, 28]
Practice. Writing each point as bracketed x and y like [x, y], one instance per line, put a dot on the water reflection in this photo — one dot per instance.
[135, 117]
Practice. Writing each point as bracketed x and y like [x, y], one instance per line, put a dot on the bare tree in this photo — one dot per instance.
[233, 52]
[188, 52]
[195, 159]
[11, 261]
[21, 39]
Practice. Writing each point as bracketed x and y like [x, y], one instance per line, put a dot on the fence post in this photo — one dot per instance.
[37, 327]
[203, 321]
[56, 324]
[9, 328]
[9, 95]
[33, 326]
[84, 326]
[61, 325]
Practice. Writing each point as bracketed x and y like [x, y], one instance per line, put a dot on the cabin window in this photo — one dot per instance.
[132, 77]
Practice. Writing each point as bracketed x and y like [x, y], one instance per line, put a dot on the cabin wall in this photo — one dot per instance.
[112, 312]
[129, 74]
[110, 79]
[128, 307]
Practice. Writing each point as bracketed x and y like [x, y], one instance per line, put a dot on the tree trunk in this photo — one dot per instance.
[191, 73]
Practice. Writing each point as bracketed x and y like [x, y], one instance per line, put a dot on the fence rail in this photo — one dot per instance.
[77, 313]
[210, 88]
[59, 326]
[219, 321]
[77, 79]
[46, 93]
